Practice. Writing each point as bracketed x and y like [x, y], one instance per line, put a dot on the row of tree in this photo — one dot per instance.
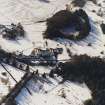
[13, 32]
[81, 3]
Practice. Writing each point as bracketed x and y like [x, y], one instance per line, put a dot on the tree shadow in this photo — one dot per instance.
[93, 37]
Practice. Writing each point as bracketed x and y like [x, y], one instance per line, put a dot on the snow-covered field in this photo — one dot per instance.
[6, 82]
[28, 12]
[49, 92]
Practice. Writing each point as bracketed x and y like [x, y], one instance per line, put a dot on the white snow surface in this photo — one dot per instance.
[49, 92]
[28, 12]
[6, 82]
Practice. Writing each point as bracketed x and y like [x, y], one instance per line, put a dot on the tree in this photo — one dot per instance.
[44, 75]
[27, 68]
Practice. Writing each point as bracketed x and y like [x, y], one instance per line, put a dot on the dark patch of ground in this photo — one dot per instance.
[45, 1]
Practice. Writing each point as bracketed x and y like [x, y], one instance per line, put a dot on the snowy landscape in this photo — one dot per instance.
[28, 59]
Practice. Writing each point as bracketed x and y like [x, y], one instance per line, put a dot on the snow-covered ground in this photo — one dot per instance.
[28, 12]
[50, 92]
[6, 82]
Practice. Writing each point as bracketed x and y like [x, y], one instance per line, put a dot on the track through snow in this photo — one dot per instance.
[30, 11]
